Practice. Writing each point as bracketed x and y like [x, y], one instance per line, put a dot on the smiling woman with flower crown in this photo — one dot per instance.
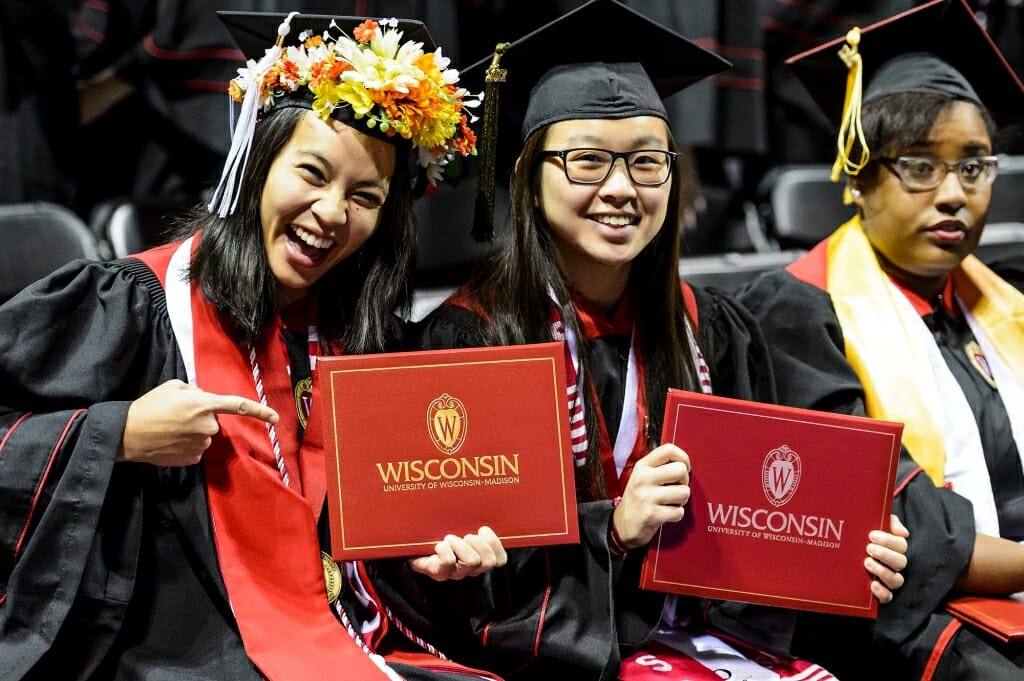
[163, 497]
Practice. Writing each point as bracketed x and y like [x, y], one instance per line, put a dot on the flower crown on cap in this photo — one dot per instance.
[391, 87]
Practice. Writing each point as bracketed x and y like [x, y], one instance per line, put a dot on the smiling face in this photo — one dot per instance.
[921, 236]
[599, 229]
[322, 200]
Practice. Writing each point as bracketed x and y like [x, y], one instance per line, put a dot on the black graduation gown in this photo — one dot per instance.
[571, 611]
[811, 371]
[107, 570]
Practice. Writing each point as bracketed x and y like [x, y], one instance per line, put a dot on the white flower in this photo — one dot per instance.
[409, 53]
[443, 62]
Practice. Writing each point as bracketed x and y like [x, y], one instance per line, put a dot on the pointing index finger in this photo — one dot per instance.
[242, 406]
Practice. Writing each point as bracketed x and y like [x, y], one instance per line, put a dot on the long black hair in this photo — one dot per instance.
[358, 298]
[517, 284]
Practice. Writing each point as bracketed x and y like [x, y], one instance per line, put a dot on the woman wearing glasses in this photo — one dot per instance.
[592, 258]
[891, 315]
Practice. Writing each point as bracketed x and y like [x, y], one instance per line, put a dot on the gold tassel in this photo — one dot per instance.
[483, 212]
[850, 129]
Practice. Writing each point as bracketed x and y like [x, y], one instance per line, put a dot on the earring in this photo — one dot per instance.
[854, 192]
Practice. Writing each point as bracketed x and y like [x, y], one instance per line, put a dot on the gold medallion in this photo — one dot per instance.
[332, 576]
[977, 358]
[303, 397]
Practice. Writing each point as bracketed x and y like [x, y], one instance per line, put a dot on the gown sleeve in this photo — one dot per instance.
[448, 326]
[75, 349]
[811, 371]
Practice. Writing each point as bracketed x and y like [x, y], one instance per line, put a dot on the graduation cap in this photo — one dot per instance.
[601, 60]
[297, 59]
[254, 32]
[937, 47]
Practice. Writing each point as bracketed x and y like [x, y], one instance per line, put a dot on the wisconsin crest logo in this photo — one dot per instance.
[446, 423]
[303, 399]
[780, 475]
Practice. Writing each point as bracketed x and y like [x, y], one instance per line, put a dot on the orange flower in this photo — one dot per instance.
[364, 31]
[467, 142]
[272, 80]
[289, 69]
[337, 68]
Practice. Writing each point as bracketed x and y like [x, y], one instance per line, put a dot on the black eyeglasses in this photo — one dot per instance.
[924, 173]
[646, 167]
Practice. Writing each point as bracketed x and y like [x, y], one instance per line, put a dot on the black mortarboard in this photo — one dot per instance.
[254, 32]
[600, 60]
[899, 54]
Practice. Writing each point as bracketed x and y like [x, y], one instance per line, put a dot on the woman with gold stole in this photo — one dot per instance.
[163, 478]
[893, 316]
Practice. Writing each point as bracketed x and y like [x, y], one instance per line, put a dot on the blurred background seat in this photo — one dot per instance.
[799, 205]
[729, 271]
[1004, 232]
[37, 238]
[1008, 192]
[446, 251]
[126, 225]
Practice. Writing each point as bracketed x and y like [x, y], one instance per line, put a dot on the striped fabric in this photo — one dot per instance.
[574, 392]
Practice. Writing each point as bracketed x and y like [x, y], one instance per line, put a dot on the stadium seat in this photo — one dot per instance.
[800, 205]
[126, 225]
[729, 271]
[37, 238]
[1008, 192]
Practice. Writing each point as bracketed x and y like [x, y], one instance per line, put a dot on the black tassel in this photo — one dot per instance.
[483, 212]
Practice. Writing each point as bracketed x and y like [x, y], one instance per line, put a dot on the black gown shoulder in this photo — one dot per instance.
[448, 326]
[97, 538]
[733, 346]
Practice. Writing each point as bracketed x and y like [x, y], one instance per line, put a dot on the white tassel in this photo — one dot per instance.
[225, 198]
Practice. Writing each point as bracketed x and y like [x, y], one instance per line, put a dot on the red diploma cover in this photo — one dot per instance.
[424, 444]
[781, 504]
[1000, 617]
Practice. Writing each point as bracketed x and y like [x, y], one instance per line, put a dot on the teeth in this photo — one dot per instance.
[312, 239]
[614, 220]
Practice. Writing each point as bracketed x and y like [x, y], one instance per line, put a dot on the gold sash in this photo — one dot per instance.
[898, 382]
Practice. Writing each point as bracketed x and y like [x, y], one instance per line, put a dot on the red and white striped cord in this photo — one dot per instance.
[411, 636]
[699, 363]
[271, 432]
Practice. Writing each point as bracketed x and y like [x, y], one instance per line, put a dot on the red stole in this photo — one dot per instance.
[265, 533]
